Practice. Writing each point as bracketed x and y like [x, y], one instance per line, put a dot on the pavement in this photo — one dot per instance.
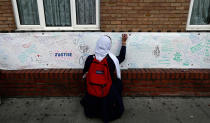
[137, 110]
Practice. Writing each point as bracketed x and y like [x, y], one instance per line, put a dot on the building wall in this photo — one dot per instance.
[115, 15]
[125, 15]
[7, 20]
[144, 15]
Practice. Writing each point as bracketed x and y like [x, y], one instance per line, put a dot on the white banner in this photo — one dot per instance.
[70, 49]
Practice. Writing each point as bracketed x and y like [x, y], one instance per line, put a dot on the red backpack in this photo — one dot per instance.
[98, 78]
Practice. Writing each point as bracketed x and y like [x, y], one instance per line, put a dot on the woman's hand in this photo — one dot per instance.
[124, 39]
[85, 75]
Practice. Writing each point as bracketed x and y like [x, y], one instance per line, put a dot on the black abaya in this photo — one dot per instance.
[110, 107]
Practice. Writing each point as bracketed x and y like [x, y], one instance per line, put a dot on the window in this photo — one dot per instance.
[199, 15]
[56, 14]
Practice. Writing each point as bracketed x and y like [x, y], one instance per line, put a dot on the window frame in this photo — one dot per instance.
[42, 26]
[195, 27]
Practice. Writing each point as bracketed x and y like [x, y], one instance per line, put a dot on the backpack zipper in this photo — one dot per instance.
[102, 86]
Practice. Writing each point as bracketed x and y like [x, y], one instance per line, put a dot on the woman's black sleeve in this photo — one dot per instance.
[87, 63]
[121, 57]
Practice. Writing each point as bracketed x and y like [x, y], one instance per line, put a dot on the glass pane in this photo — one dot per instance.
[200, 12]
[86, 12]
[57, 12]
[28, 12]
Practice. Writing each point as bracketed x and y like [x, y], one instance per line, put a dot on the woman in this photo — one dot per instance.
[111, 106]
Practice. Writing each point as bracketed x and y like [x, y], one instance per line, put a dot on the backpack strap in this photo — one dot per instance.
[106, 57]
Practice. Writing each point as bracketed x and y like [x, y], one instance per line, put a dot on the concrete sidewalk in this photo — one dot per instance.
[137, 110]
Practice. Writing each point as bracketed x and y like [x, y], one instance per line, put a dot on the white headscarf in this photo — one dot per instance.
[103, 47]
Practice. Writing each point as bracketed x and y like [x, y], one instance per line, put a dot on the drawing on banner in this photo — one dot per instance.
[4, 66]
[207, 49]
[26, 54]
[156, 52]
[177, 57]
[75, 41]
[207, 52]
[83, 48]
[26, 45]
[166, 51]
[83, 58]
[46, 40]
[63, 54]
[186, 63]
[41, 60]
[6, 37]
[196, 48]
[206, 59]
[164, 60]
[194, 38]
[133, 65]
[51, 54]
